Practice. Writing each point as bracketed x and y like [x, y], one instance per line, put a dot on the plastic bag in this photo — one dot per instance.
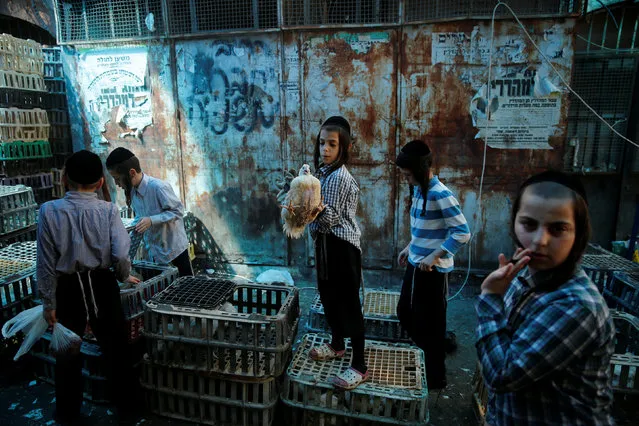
[64, 341]
[32, 323]
[275, 276]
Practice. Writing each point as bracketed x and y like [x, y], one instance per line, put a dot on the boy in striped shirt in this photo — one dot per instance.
[438, 230]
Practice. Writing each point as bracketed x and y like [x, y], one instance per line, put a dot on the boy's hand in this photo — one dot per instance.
[427, 263]
[143, 225]
[49, 316]
[402, 259]
[499, 280]
[132, 280]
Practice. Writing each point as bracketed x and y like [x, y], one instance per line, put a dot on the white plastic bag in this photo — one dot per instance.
[275, 276]
[64, 341]
[32, 323]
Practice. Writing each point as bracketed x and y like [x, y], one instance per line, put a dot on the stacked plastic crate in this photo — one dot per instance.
[380, 318]
[56, 105]
[216, 346]
[17, 274]
[600, 265]
[24, 126]
[396, 393]
[17, 213]
[623, 292]
[155, 278]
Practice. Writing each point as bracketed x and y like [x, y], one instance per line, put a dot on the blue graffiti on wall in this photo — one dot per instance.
[232, 97]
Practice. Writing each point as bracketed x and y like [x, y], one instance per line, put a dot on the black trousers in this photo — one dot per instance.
[422, 313]
[339, 276]
[110, 329]
[183, 263]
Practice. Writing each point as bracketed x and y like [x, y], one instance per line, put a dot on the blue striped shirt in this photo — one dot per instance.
[75, 234]
[442, 226]
[552, 365]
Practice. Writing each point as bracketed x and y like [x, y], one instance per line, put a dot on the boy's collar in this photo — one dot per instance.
[75, 194]
[141, 188]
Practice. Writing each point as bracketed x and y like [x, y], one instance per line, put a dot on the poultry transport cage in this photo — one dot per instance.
[396, 393]
[154, 279]
[223, 325]
[600, 264]
[209, 398]
[17, 208]
[622, 293]
[380, 317]
[17, 279]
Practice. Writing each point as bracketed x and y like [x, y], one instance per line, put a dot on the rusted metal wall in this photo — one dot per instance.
[249, 106]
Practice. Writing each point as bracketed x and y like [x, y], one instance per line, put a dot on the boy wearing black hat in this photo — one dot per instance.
[438, 230]
[83, 250]
[157, 209]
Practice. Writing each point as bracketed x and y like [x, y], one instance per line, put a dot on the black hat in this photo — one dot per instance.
[411, 153]
[84, 167]
[117, 156]
[557, 177]
[339, 121]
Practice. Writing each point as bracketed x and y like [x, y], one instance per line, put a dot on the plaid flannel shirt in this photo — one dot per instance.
[340, 193]
[546, 359]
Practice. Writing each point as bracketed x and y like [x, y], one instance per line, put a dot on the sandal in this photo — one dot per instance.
[350, 379]
[325, 352]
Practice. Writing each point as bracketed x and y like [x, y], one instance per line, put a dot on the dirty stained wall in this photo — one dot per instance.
[248, 106]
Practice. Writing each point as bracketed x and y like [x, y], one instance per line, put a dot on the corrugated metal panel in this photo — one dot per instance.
[354, 75]
[229, 97]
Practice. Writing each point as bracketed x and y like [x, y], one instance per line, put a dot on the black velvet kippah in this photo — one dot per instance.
[84, 167]
[557, 177]
[117, 156]
[411, 153]
[336, 120]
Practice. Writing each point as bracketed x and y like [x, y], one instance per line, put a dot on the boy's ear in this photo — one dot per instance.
[100, 183]
[132, 173]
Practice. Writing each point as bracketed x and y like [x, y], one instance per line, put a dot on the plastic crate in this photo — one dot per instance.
[255, 341]
[52, 54]
[396, 393]
[19, 81]
[58, 116]
[24, 150]
[15, 197]
[380, 317]
[16, 293]
[14, 220]
[56, 86]
[624, 364]
[57, 175]
[23, 235]
[21, 252]
[600, 267]
[155, 278]
[36, 181]
[17, 98]
[623, 292]
[207, 398]
[20, 55]
[60, 132]
[53, 70]
[27, 125]
[93, 369]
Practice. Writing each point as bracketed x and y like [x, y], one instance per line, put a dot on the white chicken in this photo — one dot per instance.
[302, 204]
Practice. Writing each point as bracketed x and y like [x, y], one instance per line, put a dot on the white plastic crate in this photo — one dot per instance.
[24, 56]
[208, 398]
[16, 292]
[396, 393]
[599, 264]
[26, 125]
[20, 81]
[254, 341]
[624, 364]
[380, 316]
